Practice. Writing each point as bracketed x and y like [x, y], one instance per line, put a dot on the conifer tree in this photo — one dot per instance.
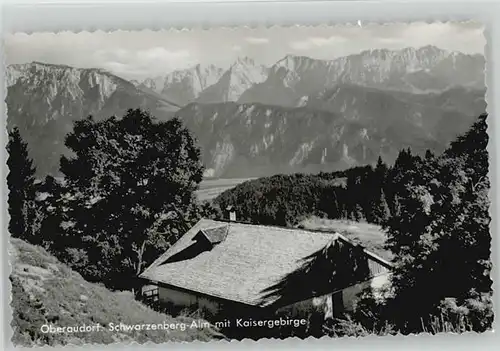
[20, 182]
[359, 213]
[381, 211]
[381, 170]
[429, 155]
[52, 233]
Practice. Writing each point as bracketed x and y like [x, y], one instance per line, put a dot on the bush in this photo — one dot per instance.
[473, 314]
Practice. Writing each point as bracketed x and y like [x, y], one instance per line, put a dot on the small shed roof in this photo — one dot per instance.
[244, 260]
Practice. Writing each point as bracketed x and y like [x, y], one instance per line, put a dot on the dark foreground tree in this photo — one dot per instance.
[130, 193]
[441, 238]
[20, 182]
[48, 202]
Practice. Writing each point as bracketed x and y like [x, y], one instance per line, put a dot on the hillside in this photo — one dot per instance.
[252, 140]
[45, 291]
[441, 116]
[347, 126]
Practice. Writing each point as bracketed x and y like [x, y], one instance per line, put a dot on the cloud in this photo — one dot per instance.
[155, 54]
[300, 45]
[236, 48]
[158, 59]
[390, 41]
[256, 41]
[317, 42]
[447, 35]
[162, 54]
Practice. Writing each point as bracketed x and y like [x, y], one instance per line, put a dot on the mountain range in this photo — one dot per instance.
[300, 114]
[423, 70]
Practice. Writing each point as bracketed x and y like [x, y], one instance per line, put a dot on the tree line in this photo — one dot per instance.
[359, 193]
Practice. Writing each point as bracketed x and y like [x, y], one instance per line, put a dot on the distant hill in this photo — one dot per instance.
[253, 140]
[348, 125]
[440, 116]
[46, 291]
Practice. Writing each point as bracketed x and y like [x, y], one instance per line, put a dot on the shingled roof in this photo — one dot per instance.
[244, 259]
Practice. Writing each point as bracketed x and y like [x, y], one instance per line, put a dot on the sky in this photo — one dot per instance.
[142, 54]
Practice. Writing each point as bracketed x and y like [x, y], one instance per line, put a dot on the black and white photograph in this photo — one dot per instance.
[248, 183]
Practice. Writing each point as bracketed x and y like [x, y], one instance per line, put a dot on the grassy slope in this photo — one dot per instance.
[371, 236]
[46, 291]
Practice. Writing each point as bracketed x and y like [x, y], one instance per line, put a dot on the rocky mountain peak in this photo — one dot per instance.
[241, 75]
[54, 80]
[186, 85]
[244, 61]
[294, 63]
[155, 84]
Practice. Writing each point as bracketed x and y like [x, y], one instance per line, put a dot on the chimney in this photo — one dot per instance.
[232, 213]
